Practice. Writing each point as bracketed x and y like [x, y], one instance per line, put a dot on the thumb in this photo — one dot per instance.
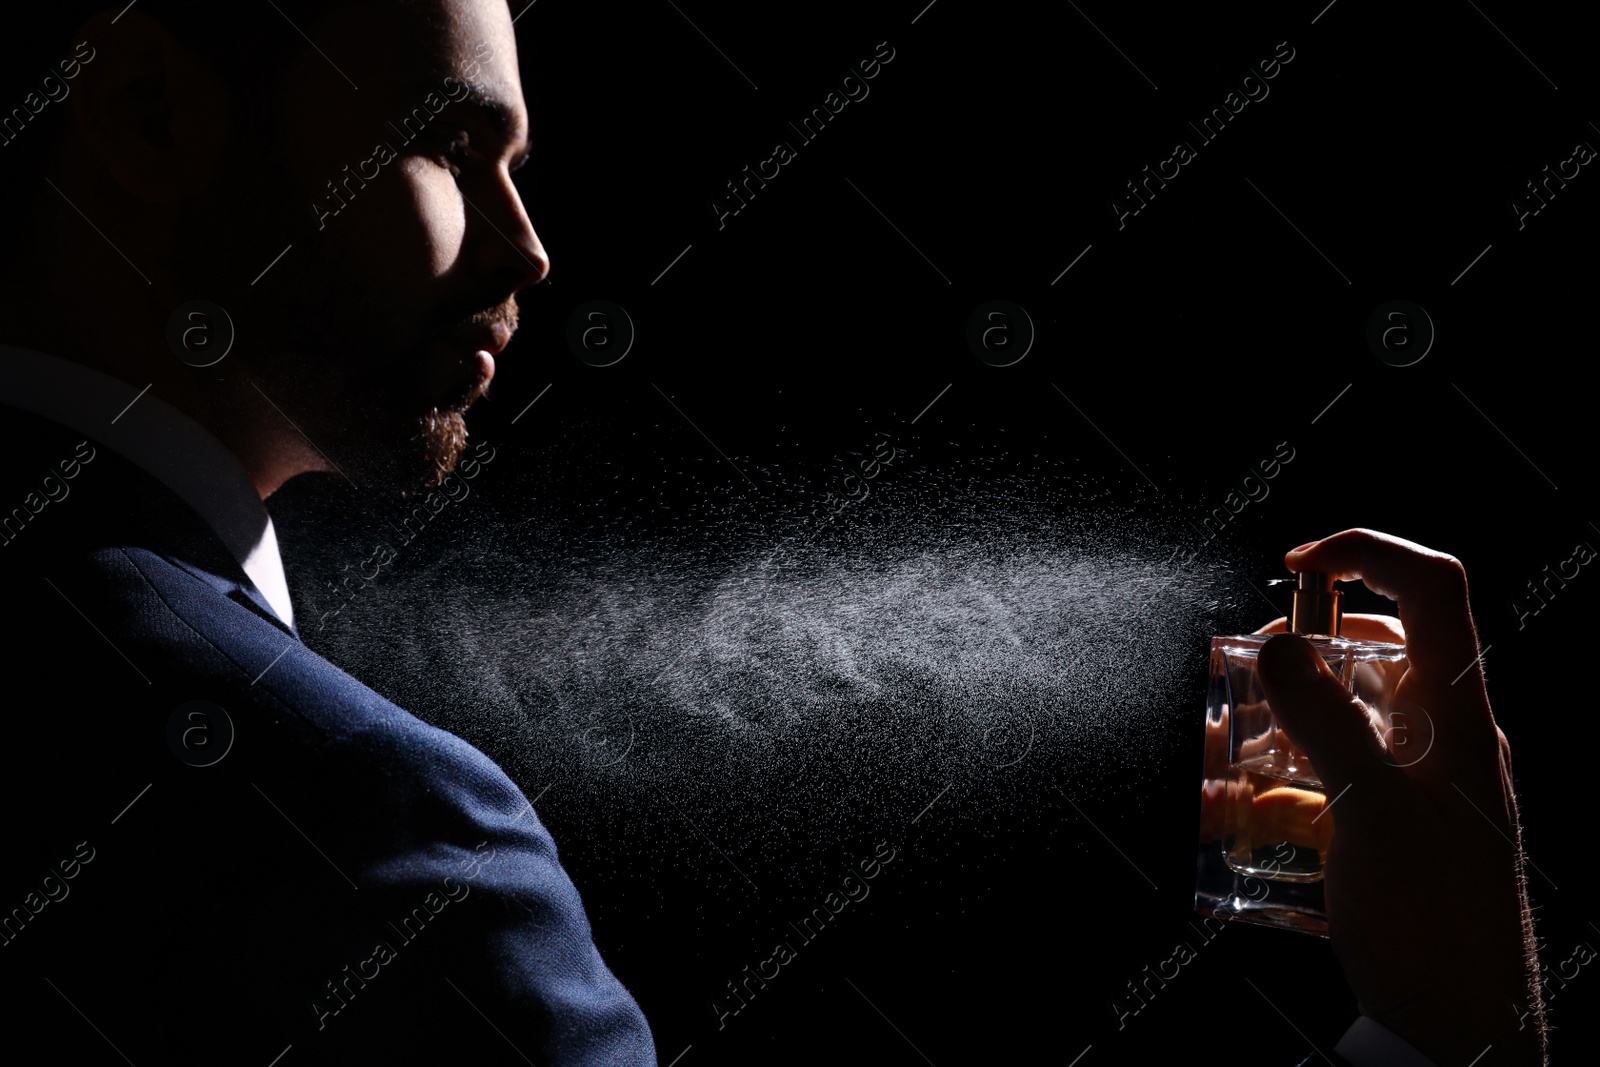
[1321, 716]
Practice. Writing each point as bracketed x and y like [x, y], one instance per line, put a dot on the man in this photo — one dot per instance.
[243, 854]
[230, 851]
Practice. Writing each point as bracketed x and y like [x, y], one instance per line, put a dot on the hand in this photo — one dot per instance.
[1427, 906]
[1231, 808]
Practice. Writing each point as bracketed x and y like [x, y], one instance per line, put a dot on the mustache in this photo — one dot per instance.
[471, 314]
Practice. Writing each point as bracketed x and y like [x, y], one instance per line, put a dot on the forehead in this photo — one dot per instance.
[381, 48]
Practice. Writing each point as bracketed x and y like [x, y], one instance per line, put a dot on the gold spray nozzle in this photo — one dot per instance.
[1317, 607]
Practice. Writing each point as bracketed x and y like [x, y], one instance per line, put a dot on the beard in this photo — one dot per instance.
[379, 437]
[352, 367]
[396, 445]
[361, 404]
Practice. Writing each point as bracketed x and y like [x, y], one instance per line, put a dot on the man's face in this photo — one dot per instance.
[390, 181]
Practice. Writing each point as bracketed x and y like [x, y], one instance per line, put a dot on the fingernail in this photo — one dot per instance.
[1304, 547]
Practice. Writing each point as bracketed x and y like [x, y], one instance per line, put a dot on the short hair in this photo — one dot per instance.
[249, 44]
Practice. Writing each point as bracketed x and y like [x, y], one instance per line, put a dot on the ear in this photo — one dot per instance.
[149, 109]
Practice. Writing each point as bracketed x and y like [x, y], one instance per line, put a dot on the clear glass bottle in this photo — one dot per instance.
[1264, 823]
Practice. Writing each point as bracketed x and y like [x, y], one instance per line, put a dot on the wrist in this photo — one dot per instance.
[1475, 1028]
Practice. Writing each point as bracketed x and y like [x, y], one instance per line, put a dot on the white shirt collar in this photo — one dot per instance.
[165, 443]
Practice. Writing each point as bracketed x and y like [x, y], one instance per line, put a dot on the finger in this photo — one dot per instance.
[1223, 804]
[1321, 716]
[1213, 802]
[1356, 627]
[1251, 747]
[1429, 587]
[1286, 813]
[1377, 679]
[1216, 743]
[1384, 628]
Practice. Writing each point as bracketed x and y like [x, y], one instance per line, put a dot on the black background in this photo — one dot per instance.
[1190, 342]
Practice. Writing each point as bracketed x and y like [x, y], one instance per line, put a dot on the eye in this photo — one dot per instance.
[448, 148]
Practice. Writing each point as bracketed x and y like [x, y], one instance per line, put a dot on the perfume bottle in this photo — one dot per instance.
[1264, 823]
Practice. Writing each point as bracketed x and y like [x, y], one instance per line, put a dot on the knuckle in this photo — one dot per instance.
[1450, 572]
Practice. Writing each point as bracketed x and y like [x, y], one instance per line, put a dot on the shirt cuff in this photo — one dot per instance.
[1369, 1043]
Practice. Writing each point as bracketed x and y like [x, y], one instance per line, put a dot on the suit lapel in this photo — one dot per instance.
[235, 585]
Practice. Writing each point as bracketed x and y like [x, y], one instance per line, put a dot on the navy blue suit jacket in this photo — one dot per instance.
[345, 884]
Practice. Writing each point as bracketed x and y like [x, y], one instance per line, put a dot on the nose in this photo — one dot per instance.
[516, 257]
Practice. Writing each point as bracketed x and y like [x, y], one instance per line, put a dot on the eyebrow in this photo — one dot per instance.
[491, 110]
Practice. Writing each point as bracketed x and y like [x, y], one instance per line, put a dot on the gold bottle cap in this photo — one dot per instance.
[1317, 607]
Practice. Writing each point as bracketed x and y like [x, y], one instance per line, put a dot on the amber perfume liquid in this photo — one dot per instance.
[1279, 829]
[1265, 825]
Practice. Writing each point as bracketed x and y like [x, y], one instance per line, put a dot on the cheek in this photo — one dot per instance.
[437, 214]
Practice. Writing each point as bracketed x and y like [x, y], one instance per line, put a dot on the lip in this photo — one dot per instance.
[469, 353]
[490, 339]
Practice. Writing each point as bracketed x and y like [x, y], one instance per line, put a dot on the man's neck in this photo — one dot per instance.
[269, 449]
